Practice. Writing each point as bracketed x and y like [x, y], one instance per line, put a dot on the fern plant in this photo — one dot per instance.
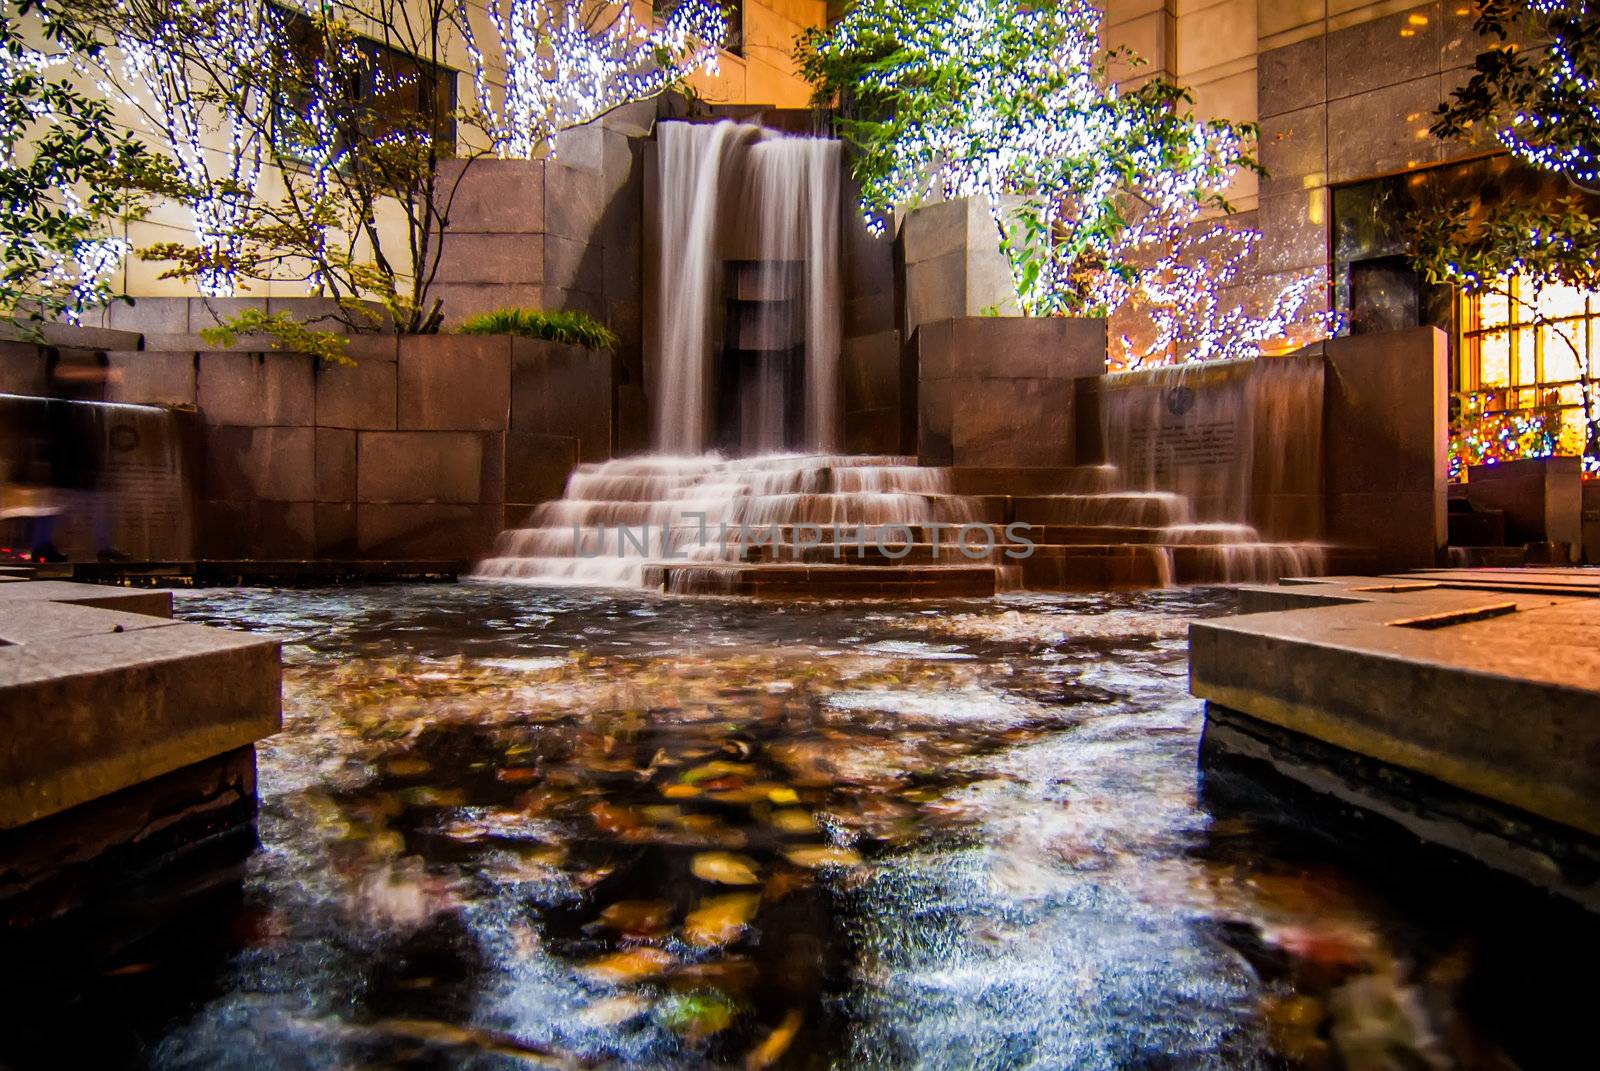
[566, 326]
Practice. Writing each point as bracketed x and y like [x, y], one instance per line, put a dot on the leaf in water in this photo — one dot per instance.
[614, 819]
[637, 918]
[793, 820]
[407, 766]
[699, 1015]
[783, 796]
[631, 965]
[776, 1043]
[614, 1011]
[517, 775]
[717, 769]
[820, 855]
[783, 883]
[720, 920]
[680, 792]
[724, 868]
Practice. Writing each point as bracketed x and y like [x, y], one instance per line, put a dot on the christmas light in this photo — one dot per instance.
[568, 62]
[76, 273]
[1097, 194]
[171, 53]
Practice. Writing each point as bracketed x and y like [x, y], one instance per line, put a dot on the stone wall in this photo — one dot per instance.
[953, 266]
[1541, 499]
[561, 233]
[425, 448]
[1384, 445]
[1346, 99]
[1241, 440]
[1000, 391]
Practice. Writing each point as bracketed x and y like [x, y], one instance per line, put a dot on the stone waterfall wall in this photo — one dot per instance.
[561, 233]
[1242, 440]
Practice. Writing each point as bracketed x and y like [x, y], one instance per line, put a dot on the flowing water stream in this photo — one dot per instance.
[508, 826]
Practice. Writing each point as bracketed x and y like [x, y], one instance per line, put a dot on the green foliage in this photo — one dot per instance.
[64, 169]
[290, 334]
[571, 327]
[1014, 103]
[1543, 105]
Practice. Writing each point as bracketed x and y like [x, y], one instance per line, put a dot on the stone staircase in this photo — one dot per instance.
[875, 526]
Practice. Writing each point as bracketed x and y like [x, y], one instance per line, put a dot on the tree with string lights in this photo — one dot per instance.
[1102, 197]
[63, 166]
[348, 103]
[568, 62]
[1542, 104]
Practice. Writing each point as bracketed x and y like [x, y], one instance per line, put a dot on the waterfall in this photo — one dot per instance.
[1239, 444]
[617, 517]
[747, 295]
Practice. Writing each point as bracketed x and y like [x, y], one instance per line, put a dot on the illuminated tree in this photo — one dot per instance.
[62, 161]
[1094, 190]
[352, 104]
[1543, 105]
[215, 130]
[568, 62]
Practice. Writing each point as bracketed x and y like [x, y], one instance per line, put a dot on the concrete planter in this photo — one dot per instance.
[999, 391]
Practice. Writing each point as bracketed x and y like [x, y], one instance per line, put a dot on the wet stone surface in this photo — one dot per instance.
[508, 826]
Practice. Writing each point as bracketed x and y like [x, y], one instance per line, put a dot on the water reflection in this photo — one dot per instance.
[506, 826]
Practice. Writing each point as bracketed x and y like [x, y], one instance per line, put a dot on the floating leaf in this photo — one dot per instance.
[613, 1011]
[680, 792]
[776, 1043]
[407, 766]
[820, 855]
[783, 796]
[724, 868]
[720, 920]
[793, 820]
[637, 918]
[698, 1015]
[717, 769]
[631, 965]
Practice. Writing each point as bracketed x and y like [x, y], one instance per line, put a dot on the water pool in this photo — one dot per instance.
[506, 825]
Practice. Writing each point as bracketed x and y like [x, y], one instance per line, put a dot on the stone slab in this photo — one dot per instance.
[90, 708]
[1001, 391]
[419, 466]
[454, 382]
[1494, 692]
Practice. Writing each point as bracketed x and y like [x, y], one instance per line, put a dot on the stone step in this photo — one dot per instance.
[1140, 509]
[1076, 479]
[887, 554]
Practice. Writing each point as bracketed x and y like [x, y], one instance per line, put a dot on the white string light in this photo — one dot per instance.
[1007, 102]
[80, 274]
[570, 61]
[214, 131]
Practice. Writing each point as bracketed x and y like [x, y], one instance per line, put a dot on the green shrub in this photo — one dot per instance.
[572, 328]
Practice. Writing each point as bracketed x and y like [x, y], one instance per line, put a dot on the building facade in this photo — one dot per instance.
[1344, 92]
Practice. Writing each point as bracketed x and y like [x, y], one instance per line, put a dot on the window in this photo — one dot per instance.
[393, 90]
[732, 9]
[1524, 355]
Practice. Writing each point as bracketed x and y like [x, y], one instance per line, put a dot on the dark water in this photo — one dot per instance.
[506, 826]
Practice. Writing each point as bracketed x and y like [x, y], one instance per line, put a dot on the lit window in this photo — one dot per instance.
[1521, 362]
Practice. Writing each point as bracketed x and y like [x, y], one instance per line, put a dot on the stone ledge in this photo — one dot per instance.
[93, 701]
[1439, 679]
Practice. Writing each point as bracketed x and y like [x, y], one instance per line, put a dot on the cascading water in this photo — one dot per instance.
[618, 516]
[1215, 454]
[747, 299]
